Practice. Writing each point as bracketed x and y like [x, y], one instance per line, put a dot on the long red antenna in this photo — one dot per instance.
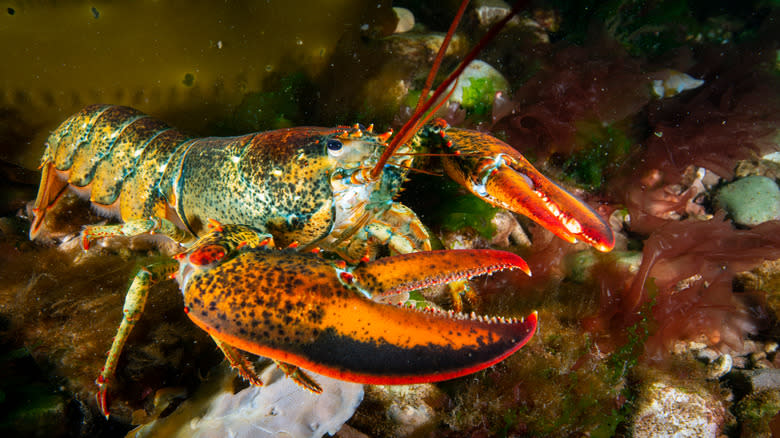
[442, 51]
[417, 119]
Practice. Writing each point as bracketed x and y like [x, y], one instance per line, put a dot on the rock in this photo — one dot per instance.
[673, 409]
[759, 379]
[477, 87]
[756, 412]
[405, 20]
[280, 408]
[491, 11]
[751, 200]
[579, 265]
[399, 410]
[508, 230]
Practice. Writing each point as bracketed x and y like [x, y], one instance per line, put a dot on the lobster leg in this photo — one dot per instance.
[246, 370]
[299, 376]
[135, 227]
[401, 229]
[131, 312]
[239, 363]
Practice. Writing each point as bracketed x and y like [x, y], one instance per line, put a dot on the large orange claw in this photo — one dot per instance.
[303, 310]
[500, 175]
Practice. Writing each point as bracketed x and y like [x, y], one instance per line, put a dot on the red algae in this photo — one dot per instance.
[692, 265]
[574, 85]
[734, 116]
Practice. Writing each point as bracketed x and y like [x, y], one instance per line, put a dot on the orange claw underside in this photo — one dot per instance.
[499, 174]
[296, 308]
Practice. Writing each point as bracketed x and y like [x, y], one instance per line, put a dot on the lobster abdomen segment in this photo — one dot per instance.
[298, 309]
[105, 152]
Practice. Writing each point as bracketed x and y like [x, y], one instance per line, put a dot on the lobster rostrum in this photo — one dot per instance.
[330, 188]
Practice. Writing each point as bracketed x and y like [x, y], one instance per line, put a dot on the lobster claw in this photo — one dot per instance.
[500, 175]
[303, 310]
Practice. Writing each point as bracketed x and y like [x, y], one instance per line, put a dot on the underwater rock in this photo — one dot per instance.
[280, 408]
[765, 277]
[477, 87]
[405, 20]
[579, 265]
[757, 412]
[760, 379]
[751, 200]
[673, 409]
[399, 410]
[489, 12]
[508, 230]
[774, 156]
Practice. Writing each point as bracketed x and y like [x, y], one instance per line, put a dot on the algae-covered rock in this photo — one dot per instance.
[751, 200]
[477, 87]
[756, 411]
[399, 410]
[580, 265]
[670, 408]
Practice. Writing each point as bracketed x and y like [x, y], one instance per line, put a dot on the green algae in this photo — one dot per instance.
[470, 211]
[601, 148]
[756, 411]
[444, 204]
[27, 401]
[561, 383]
[554, 386]
[478, 96]
[282, 105]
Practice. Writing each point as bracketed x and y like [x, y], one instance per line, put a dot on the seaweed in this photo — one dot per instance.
[603, 147]
[283, 104]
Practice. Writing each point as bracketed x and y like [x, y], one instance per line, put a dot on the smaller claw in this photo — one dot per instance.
[500, 175]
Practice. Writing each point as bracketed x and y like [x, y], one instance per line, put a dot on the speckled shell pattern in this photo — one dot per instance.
[276, 181]
[119, 153]
[297, 308]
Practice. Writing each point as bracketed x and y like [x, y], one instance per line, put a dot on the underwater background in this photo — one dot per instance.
[664, 116]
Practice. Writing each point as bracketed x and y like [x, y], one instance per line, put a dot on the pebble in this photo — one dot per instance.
[751, 200]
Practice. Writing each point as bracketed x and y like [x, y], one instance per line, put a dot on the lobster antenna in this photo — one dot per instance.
[414, 169]
[417, 118]
[442, 51]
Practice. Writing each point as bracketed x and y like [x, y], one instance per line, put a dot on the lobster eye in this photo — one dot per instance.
[334, 145]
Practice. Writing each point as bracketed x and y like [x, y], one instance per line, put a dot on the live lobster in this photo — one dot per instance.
[331, 189]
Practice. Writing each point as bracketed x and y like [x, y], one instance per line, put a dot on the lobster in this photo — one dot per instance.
[331, 189]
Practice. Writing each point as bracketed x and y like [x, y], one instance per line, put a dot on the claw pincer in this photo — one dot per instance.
[500, 175]
[303, 310]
